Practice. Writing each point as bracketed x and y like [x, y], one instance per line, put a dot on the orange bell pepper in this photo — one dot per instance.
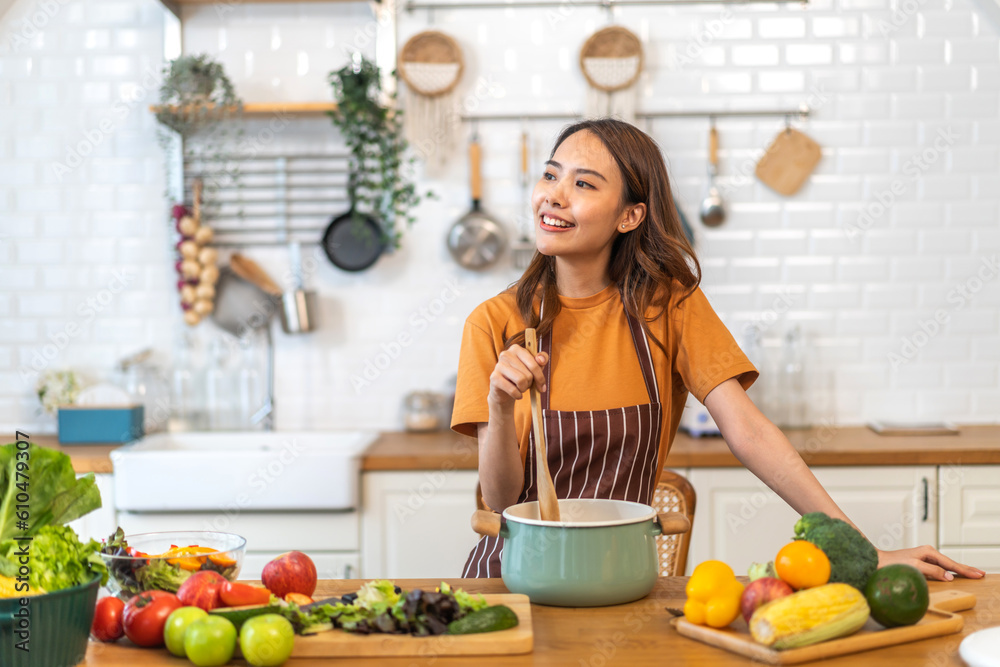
[222, 560]
[186, 557]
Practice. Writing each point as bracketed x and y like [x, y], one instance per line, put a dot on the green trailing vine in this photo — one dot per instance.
[380, 182]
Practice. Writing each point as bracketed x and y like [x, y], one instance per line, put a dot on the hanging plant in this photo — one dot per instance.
[196, 93]
[196, 108]
[380, 182]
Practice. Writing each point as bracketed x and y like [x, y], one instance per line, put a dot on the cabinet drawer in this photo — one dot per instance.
[986, 559]
[264, 531]
[970, 505]
[740, 520]
[328, 565]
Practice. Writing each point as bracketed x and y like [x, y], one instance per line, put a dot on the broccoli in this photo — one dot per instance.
[853, 559]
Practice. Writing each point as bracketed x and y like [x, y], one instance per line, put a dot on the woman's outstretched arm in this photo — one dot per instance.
[766, 452]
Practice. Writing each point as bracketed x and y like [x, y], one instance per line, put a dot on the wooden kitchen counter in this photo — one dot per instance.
[86, 458]
[824, 446]
[638, 633]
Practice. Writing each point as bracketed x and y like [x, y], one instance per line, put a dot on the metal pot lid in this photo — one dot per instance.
[584, 513]
[476, 241]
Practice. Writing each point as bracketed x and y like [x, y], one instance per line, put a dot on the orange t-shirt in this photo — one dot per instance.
[594, 361]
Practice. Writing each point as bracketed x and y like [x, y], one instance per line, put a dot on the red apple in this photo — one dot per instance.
[292, 572]
[761, 591]
[202, 589]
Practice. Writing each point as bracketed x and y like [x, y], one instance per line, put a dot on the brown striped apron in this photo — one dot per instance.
[592, 453]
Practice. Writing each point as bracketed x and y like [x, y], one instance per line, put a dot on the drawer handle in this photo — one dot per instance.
[927, 501]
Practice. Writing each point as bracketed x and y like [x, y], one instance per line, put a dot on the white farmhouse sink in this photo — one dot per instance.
[240, 471]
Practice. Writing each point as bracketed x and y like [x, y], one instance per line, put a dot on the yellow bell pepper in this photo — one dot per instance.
[9, 589]
[713, 595]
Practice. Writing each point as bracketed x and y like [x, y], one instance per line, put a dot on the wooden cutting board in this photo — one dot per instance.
[337, 643]
[788, 162]
[939, 620]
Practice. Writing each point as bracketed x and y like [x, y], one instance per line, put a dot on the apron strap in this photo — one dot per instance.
[642, 349]
[641, 341]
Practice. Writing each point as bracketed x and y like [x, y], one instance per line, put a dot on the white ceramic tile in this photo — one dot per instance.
[834, 26]
[808, 54]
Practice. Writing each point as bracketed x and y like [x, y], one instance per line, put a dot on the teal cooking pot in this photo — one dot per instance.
[601, 552]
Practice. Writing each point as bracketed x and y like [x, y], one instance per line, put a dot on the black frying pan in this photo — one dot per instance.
[353, 241]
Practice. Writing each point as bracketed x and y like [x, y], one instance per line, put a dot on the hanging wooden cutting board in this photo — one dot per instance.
[788, 162]
[338, 644]
[939, 620]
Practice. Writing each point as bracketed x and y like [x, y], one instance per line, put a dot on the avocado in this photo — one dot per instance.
[897, 595]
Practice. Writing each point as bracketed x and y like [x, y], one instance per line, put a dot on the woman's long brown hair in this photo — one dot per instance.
[645, 261]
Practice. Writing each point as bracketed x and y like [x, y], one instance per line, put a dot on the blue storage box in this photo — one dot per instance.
[89, 424]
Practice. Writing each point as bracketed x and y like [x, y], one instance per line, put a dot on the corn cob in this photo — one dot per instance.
[810, 616]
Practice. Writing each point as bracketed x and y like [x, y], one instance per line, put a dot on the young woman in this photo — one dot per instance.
[624, 334]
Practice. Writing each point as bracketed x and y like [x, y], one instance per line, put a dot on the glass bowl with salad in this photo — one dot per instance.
[163, 561]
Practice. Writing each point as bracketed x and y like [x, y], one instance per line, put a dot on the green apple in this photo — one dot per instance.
[267, 640]
[210, 641]
[177, 625]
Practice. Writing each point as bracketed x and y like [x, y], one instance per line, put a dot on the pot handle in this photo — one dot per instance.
[671, 523]
[486, 523]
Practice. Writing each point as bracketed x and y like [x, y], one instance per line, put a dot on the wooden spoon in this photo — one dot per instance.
[548, 504]
[251, 271]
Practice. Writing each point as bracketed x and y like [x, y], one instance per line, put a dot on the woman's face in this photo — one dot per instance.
[576, 202]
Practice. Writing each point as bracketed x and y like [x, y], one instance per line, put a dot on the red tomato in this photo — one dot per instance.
[239, 595]
[107, 625]
[145, 616]
[201, 589]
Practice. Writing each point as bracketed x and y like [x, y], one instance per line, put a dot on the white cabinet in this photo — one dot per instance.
[100, 523]
[970, 505]
[740, 520]
[986, 559]
[328, 565]
[970, 515]
[331, 539]
[417, 524]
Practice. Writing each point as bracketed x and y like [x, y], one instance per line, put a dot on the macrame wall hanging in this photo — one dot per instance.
[611, 60]
[431, 65]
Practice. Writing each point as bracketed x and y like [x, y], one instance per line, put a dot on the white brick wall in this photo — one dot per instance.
[886, 83]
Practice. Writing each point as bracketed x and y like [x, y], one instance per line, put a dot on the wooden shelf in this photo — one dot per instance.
[174, 6]
[267, 108]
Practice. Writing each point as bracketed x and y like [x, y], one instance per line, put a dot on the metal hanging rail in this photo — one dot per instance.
[802, 112]
[606, 4]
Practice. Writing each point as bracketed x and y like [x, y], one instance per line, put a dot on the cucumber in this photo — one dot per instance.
[240, 615]
[490, 619]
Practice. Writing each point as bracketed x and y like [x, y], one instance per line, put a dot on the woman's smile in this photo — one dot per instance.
[551, 223]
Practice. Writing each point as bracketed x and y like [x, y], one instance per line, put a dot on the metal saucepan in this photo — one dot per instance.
[298, 305]
[602, 552]
[477, 240]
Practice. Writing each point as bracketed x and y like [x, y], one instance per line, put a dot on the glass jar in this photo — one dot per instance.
[423, 411]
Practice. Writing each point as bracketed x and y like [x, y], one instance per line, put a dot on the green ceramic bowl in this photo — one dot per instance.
[58, 625]
[602, 552]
